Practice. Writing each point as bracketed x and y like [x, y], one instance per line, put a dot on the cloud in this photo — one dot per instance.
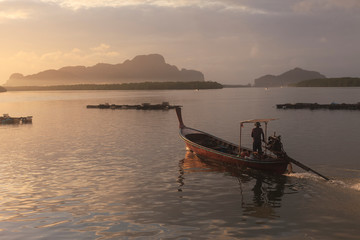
[310, 6]
[31, 62]
[216, 4]
[14, 14]
[101, 48]
[14, 10]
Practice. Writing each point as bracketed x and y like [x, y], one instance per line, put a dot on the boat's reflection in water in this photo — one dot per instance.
[260, 193]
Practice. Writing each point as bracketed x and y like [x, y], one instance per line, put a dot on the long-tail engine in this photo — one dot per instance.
[275, 146]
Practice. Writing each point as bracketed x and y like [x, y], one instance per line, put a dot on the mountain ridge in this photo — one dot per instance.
[287, 78]
[141, 68]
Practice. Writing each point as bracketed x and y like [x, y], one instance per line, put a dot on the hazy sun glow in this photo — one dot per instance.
[14, 14]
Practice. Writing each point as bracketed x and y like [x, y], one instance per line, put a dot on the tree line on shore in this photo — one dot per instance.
[125, 86]
[330, 82]
[326, 82]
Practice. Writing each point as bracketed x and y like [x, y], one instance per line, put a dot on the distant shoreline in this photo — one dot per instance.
[236, 86]
[330, 82]
[123, 86]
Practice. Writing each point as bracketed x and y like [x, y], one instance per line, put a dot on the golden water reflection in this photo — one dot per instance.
[260, 193]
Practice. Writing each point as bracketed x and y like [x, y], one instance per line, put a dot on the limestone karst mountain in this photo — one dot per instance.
[287, 78]
[142, 68]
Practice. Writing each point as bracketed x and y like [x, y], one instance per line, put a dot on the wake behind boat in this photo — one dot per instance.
[209, 147]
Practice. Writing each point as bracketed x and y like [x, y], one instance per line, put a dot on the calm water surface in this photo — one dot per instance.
[78, 173]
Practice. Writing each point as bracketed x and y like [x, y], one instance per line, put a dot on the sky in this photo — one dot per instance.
[229, 41]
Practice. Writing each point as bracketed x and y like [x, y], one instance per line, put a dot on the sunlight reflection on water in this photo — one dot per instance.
[78, 173]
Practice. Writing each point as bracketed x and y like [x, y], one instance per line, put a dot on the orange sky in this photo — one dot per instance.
[230, 41]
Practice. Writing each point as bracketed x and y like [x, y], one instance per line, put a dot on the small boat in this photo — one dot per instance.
[208, 147]
[6, 119]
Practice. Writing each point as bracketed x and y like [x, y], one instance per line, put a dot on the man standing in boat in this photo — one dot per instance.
[257, 134]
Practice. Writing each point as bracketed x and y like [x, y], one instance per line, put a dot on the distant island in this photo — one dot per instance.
[124, 86]
[330, 82]
[287, 78]
[142, 68]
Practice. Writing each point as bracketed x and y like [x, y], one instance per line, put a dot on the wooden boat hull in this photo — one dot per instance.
[15, 120]
[10, 120]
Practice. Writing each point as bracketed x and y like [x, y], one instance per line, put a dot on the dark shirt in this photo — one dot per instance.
[257, 134]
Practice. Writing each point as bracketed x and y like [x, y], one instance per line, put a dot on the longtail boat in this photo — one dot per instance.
[208, 147]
